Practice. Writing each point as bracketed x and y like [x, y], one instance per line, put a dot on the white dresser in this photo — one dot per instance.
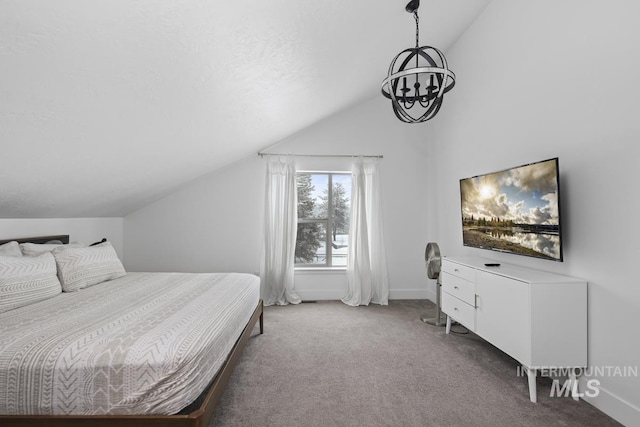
[536, 317]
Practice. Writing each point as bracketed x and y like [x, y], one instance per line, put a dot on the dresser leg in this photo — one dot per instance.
[573, 380]
[531, 374]
[448, 328]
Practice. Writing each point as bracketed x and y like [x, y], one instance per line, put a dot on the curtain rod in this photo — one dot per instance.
[320, 155]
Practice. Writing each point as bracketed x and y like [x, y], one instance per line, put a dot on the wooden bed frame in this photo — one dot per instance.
[64, 238]
[200, 417]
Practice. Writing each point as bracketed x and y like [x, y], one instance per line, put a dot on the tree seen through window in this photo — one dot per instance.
[323, 219]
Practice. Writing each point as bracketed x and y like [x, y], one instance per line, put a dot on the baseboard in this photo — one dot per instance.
[319, 295]
[410, 294]
[614, 406]
[333, 294]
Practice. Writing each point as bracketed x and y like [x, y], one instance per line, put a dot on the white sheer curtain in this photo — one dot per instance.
[280, 227]
[367, 260]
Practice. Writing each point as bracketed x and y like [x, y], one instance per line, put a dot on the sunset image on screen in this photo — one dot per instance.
[515, 210]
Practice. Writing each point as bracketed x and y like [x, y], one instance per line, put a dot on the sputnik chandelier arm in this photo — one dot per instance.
[414, 69]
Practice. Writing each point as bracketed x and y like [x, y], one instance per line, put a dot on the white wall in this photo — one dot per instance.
[212, 224]
[85, 230]
[215, 223]
[558, 78]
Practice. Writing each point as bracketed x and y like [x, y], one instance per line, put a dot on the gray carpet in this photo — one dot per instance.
[328, 364]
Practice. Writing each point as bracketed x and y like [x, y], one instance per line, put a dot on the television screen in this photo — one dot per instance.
[515, 211]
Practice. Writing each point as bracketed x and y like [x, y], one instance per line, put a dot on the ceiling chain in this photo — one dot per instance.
[415, 16]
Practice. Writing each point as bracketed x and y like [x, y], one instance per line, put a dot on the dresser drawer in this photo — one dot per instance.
[459, 288]
[462, 271]
[460, 311]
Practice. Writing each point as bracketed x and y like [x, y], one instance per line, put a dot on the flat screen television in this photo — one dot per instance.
[515, 211]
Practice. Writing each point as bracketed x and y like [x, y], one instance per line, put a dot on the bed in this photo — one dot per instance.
[152, 349]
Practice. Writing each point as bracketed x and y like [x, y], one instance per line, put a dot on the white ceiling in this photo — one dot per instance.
[108, 105]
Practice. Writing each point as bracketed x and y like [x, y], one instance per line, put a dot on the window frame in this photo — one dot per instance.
[328, 222]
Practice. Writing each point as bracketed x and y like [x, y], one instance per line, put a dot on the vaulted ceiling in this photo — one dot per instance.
[107, 105]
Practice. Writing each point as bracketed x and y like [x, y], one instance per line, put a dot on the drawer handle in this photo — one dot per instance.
[455, 308]
[455, 287]
[455, 269]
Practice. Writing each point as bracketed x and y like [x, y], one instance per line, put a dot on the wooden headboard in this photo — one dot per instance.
[64, 238]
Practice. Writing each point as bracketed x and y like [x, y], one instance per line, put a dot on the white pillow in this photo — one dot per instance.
[26, 280]
[10, 249]
[79, 268]
[35, 249]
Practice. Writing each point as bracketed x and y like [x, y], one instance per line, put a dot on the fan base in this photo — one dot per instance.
[435, 321]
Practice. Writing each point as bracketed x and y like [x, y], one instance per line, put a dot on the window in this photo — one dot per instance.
[324, 204]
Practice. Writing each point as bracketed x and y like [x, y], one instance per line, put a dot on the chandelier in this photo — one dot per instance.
[418, 79]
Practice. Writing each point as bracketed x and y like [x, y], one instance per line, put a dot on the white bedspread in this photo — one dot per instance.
[147, 343]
